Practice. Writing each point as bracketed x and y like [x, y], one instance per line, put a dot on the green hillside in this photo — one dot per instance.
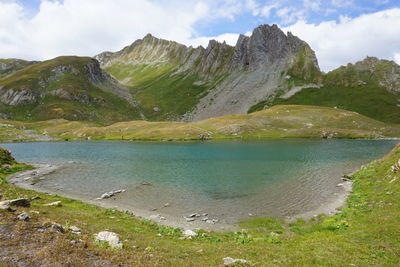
[10, 65]
[72, 88]
[275, 122]
[370, 87]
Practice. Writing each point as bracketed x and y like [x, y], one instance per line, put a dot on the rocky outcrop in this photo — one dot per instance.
[18, 97]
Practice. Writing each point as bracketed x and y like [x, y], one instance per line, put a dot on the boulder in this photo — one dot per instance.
[20, 202]
[228, 261]
[111, 238]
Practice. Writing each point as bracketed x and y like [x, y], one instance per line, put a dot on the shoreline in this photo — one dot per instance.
[29, 179]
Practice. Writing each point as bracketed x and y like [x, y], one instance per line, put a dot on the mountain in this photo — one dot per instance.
[74, 88]
[160, 80]
[8, 66]
[370, 87]
[171, 81]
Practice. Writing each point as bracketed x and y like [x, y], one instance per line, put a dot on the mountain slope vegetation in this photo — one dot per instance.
[277, 122]
[370, 87]
[73, 88]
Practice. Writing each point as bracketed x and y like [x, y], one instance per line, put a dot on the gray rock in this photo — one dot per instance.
[111, 238]
[24, 216]
[75, 230]
[189, 234]
[20, 202]
[5, 205]
[53, 204]
[228, 261]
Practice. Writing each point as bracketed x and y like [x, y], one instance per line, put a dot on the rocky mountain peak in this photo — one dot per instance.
[266, 45]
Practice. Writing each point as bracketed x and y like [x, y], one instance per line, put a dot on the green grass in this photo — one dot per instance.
[294, 121]
[365, 233]
[370, 101]
[11, 65]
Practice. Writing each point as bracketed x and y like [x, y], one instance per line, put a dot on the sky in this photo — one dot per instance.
[339, 31]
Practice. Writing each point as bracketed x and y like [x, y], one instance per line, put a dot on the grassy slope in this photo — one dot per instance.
[12, 65]
[276, 122]
[112, 109]
[155, 85]
[352, 88]
[365, 233]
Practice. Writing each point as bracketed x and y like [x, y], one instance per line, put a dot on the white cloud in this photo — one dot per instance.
[85, 28]
[342, 3]
[314, 5]
[229, 38]
[352, 39]
[89, 27]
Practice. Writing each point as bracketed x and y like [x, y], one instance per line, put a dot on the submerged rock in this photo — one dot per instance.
[111, 238]
[110, 194]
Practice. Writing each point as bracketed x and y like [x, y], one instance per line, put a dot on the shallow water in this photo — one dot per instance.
[227, 180]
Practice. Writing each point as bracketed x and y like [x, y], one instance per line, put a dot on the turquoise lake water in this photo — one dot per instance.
[227, 179]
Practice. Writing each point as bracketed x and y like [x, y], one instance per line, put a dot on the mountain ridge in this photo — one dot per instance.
[220, 73]
[160, 80]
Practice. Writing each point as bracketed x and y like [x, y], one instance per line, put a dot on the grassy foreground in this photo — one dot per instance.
[286, 121]
[365, 233]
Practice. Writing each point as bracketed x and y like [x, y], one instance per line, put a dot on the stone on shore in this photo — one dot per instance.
[5, 205]
[111, 238]
[53, 204]
[228, 261]
[189, 234]
[24, 217]
[75, 230]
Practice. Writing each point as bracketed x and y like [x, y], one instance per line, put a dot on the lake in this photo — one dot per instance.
[230, 181]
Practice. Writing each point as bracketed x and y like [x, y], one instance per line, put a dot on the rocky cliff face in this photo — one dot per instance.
[216, 80]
